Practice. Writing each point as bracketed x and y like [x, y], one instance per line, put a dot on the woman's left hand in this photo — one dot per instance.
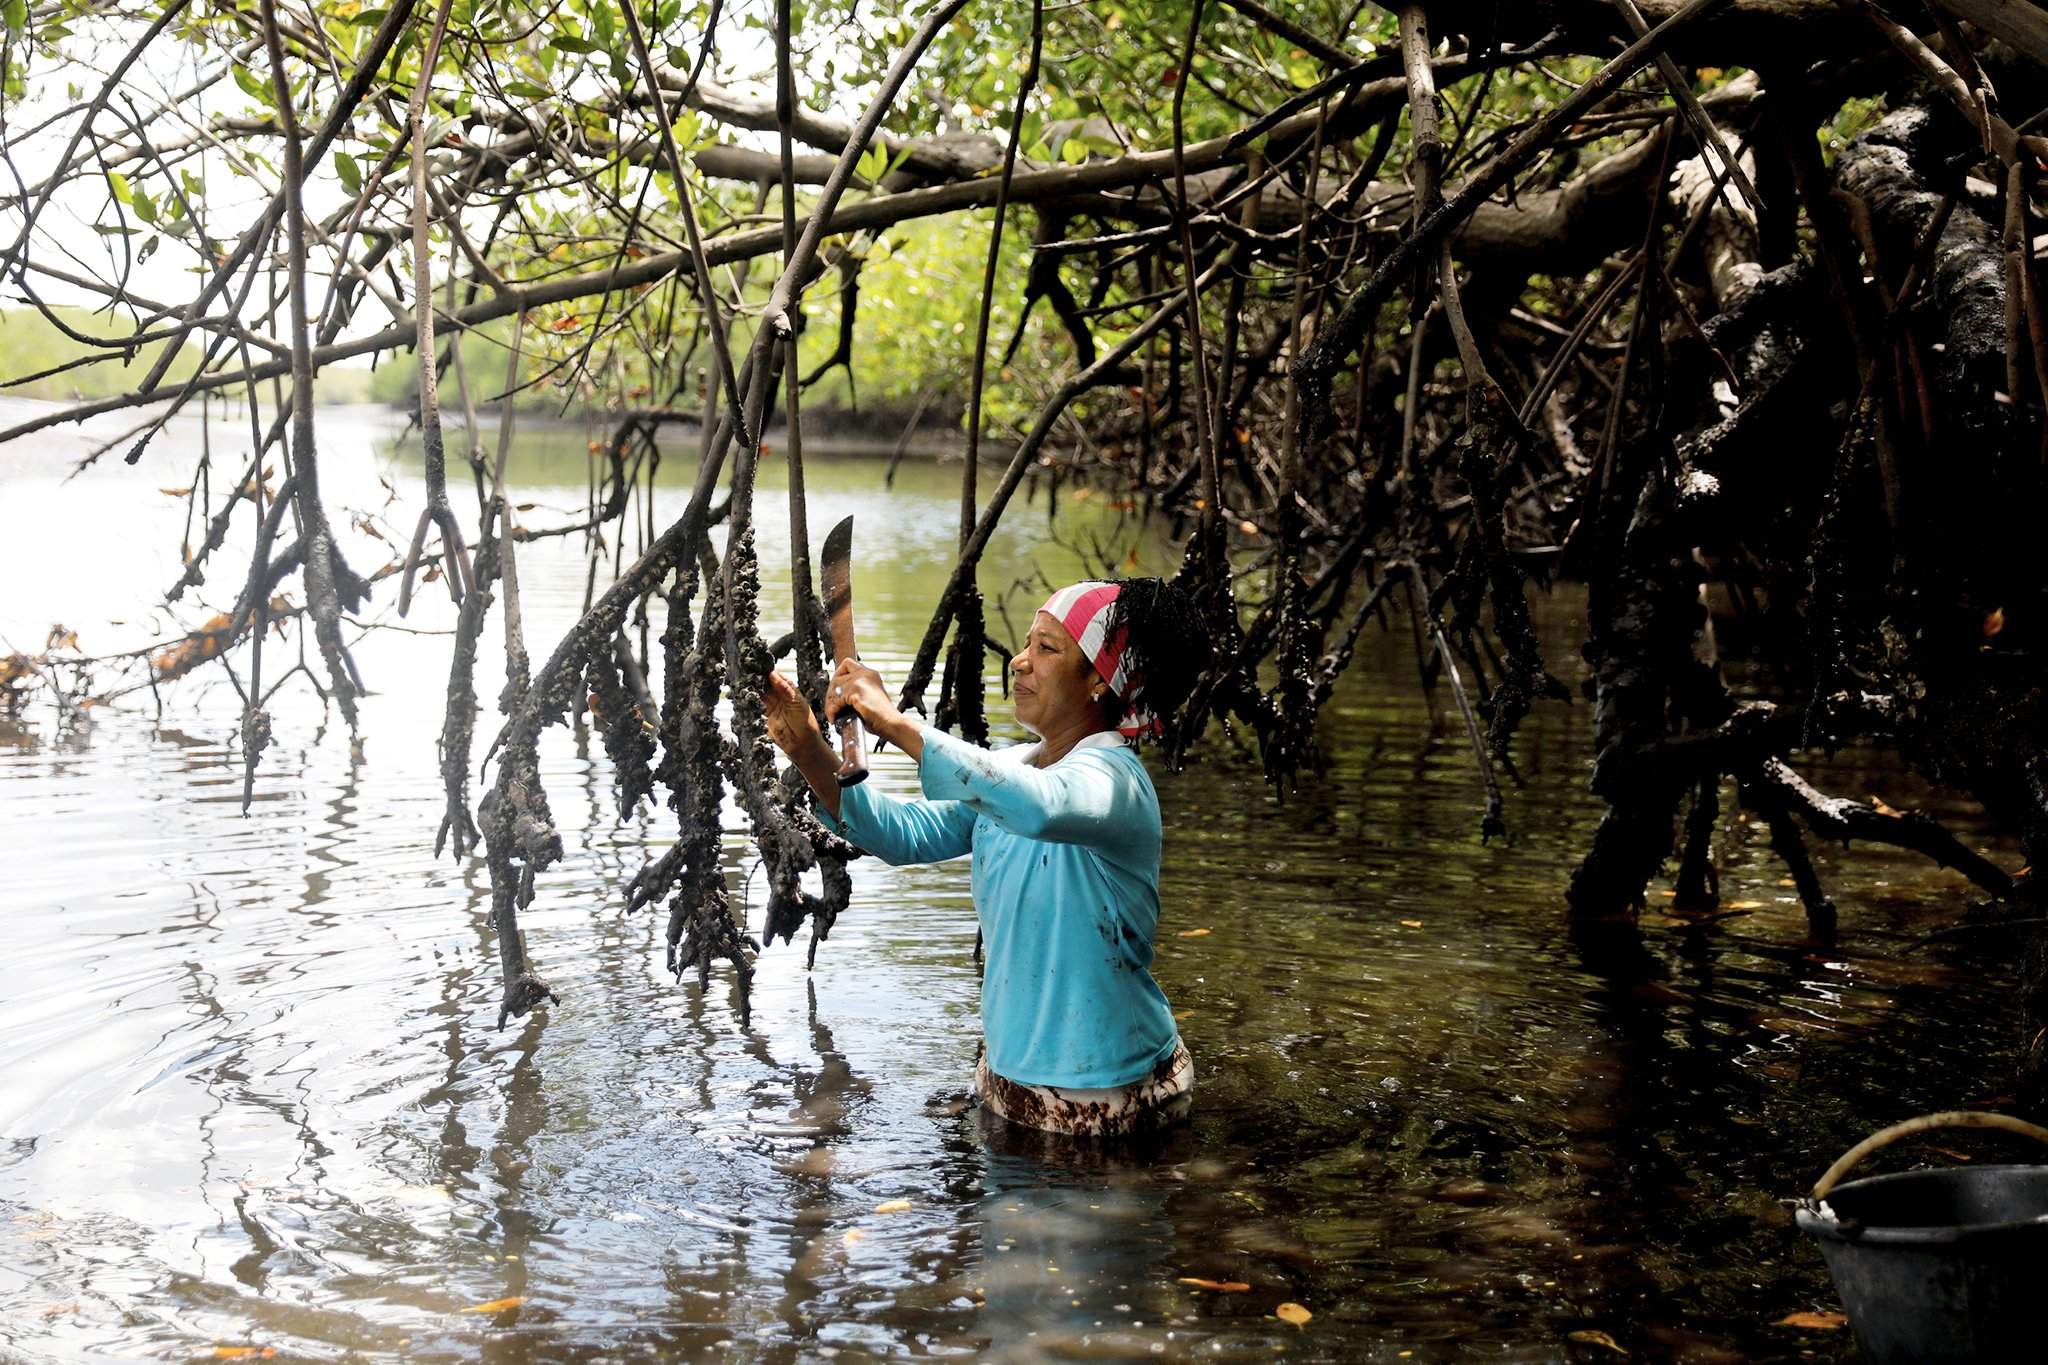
[791, 722]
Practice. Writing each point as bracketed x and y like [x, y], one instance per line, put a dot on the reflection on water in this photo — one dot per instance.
[253, 1096]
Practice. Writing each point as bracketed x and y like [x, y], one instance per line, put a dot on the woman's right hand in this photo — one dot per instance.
[857, 688]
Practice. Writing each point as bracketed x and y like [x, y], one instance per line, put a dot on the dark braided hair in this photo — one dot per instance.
[1166, 642]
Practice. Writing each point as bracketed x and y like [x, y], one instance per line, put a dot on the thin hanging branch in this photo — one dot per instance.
[437, 512]
[331, 586]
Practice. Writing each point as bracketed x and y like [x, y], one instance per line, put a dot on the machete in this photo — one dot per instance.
[836, 577]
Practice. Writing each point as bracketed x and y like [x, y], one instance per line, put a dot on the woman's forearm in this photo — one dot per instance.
[903, 732]
[820, 767]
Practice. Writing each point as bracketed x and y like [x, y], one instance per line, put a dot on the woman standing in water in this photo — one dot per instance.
[1077, 1036]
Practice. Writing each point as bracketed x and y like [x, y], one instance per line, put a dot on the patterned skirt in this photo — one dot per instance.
[1149, 1103]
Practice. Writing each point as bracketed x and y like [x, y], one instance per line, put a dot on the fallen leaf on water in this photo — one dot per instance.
[1193, 933]
[1814, 1322]
[437, 1194]
[1743, 905]
[244, 1352]
[893, 1206]
[38, 1226]
[1592, 1337]
[853, 1235]
[496, 1305]
[1994, 622]
[1877, 804]
[1220, 1286]
[1411, 924]
[1292, 1312]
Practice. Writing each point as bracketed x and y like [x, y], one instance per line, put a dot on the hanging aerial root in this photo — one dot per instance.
[849, 304]
[1049, 415]
[655, 877]
[1489, 458]
[520, 841]
[628, 733]
[700, 927]
[520, 838]
[961, 708]
[788, 849]
[458, 724]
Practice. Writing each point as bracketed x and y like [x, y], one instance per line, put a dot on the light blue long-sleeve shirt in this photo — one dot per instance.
[1066, 884]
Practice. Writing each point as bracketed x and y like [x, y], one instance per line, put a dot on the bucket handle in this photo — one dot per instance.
[1954, 1118]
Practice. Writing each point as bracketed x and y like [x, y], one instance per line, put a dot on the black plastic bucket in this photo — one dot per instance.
[1939, 1265]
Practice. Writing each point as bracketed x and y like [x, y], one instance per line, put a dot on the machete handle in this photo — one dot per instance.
[853, 749]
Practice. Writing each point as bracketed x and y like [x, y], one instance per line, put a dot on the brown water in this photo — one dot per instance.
[252, 1094]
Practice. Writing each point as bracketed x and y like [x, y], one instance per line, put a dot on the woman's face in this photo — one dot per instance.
[1051, 680]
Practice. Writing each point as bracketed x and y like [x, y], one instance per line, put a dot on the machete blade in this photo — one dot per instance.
[836, 577]
[835, 574]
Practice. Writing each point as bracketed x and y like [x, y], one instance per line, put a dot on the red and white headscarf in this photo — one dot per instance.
[1084, 610]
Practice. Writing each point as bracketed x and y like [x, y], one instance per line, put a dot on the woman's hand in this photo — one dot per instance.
[856, 687]
[791, 722]
[794, 728]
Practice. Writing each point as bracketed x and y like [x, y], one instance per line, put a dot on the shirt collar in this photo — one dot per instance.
[1101, 739]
